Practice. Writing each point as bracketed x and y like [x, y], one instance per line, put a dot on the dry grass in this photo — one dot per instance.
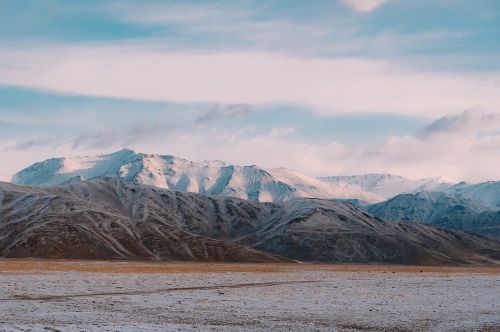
[44, 265]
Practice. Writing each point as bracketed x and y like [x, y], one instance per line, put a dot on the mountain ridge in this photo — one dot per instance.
[407, 200]
[111, 218]
[207, 177]
[440, 209]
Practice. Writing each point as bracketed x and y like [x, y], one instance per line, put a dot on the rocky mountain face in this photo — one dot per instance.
[101, 220]
[453, 211]
[111, 218]
[439, 201]
[169, 172]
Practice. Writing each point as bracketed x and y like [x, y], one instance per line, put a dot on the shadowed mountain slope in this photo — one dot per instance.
[111, 218]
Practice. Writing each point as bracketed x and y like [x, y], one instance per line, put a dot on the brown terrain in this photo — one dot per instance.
[112, 219]
[60, 265]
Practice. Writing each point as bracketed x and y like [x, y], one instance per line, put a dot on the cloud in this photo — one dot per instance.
[449, 149]
[123, 137]
[30, 143]
[450, 146]
[268, 149]
[282, 131]
[245, 26]
[457, 155]
[469, 121]
[330, 85]
[5, 178]
[179, 13]
[365, 6]
[227, 26]
[223, 112]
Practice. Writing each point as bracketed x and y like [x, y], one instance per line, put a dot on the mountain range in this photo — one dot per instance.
[247, 182]
[442, 210]
[208, 177]
[438, 201]
[248, 211]
[112, 218]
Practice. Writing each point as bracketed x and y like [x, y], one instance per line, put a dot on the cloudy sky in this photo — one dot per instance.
[410, 87]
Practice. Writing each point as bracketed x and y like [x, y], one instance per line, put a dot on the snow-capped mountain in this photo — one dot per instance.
[487, 193]
[389, 185]
[208, 177]
[442, 210]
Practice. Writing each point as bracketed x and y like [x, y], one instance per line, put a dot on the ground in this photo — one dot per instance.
[41, 295]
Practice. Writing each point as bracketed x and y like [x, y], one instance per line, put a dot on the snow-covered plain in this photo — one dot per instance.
[311, 298]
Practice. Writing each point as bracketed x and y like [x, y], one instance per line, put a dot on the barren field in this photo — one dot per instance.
[45, 295]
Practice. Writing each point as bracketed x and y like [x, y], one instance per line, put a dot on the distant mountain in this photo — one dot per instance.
[487, 193]
[440, 209]
[355, 202]
[208, 177]
[389, 185]
[111, 218]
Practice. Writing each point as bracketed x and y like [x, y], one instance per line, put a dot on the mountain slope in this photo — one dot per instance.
[50, 223]
[389, 185]
[112, 218]
[488, 193]
[442, 210]
[169, 172]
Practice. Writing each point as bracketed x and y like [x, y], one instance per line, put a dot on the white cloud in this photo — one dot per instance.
[218, 112]
[281, 131]
[124, 137]
[32, 142]
[459, 154]
[365, 6]
[331, 85]
[451, 146]
[467, 122]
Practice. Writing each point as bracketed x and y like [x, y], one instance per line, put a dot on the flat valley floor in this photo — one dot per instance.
[48, 295]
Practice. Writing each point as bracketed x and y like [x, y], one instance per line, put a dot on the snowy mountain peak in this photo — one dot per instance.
[208, 177]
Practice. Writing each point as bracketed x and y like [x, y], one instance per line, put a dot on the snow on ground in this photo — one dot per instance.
[294, 299]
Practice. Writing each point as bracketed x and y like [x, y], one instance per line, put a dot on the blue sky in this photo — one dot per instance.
[324, 87]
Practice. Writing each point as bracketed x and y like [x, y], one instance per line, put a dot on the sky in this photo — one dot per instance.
[410, 87]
